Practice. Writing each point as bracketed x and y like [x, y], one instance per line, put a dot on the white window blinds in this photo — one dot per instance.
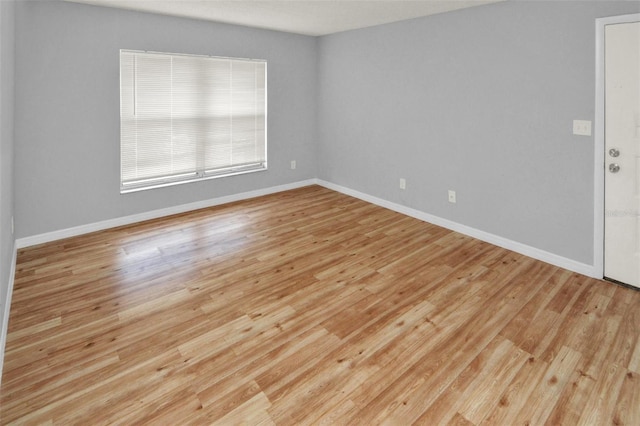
[185, 118]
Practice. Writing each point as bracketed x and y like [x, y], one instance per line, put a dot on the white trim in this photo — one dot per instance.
[554, 259]
[599, 146]
[154, 214]
[7, 308]
[545, 256]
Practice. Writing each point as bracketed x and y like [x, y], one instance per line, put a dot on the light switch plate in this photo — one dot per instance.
[582, 127]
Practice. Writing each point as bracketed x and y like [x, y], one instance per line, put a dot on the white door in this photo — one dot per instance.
[622, 153]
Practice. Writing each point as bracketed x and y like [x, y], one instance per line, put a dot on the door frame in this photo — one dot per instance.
[599, 156]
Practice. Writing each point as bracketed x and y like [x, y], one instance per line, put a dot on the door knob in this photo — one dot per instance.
[614, 168]
[614, 152]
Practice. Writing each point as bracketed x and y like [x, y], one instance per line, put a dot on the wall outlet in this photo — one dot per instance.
[452, 196]
[293, 164]
[582, 127]
[403, 183]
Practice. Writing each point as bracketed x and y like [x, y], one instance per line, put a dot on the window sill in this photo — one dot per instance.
[137, 188]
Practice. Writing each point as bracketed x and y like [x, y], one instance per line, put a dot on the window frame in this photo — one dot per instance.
[203, 173]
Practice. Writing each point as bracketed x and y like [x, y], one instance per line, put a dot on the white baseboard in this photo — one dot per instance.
[154, 214]
[7, 308]
[545, 256]
[554, 259]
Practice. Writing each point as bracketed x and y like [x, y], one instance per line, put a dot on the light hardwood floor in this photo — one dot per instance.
[311, 307]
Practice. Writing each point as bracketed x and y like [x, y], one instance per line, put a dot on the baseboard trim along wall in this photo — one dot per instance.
[524, 249]
[154, 214]
[7, 308]
[544, 256]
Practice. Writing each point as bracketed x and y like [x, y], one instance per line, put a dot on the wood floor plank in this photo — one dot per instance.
[627, 409]
[604, 396]
[470, 393]
[516, 396]
[634, 363]
[311, 307]
[588, 373]
[546, 394]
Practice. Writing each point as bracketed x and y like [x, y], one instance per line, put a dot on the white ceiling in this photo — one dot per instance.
[309, 17]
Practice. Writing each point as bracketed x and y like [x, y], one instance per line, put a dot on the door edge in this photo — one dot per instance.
[599, 163]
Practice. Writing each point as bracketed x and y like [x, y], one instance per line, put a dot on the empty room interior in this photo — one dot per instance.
[320, 212]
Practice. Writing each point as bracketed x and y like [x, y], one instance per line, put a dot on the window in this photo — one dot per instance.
[185, 118]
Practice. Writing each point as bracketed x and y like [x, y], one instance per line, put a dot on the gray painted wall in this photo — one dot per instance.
[67, 111]
[7, 13]
[480, 101]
